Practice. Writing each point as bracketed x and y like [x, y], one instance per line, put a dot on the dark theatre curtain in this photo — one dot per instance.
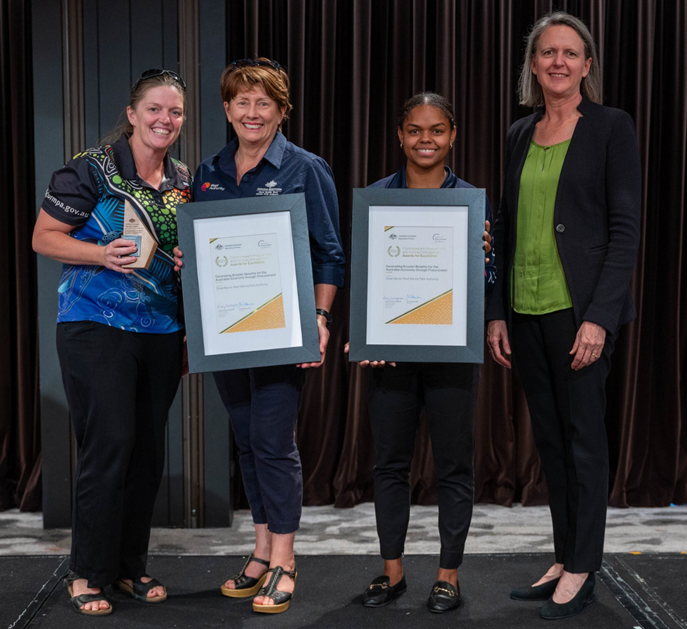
[352, 63]
[19, 429]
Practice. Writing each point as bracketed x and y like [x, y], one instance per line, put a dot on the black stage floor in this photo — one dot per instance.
[647, 591]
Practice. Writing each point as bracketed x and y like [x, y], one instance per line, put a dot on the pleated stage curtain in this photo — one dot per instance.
[19, 426]
[352, 63]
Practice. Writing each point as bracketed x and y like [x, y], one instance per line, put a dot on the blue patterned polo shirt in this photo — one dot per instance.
[88, 194]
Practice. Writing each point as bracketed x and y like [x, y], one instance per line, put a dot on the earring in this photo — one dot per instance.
[401, 144]
[450, 146]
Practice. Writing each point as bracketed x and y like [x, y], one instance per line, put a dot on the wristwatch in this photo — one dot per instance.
[325, 314]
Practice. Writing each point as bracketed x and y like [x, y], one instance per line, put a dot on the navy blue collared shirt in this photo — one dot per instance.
[285, 169]
[398, 180]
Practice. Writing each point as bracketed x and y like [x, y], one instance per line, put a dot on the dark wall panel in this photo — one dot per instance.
[213, 47]
[114, 60]
[170, 35]
[91, 74]
[146, 36]
[218, 464]
[120, 39]
[49, 155]
[213, 136]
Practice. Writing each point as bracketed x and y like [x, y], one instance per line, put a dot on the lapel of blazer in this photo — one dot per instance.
[575, 155]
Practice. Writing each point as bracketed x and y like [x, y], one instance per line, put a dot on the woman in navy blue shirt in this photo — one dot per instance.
[447, 392]
[263, 402]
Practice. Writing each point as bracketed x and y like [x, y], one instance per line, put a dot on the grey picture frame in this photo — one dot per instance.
[309, 351]
[363, 199]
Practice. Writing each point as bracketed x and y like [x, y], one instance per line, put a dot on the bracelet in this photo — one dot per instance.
[325, 314]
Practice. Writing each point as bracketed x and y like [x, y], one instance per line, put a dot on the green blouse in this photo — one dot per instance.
[538, 280]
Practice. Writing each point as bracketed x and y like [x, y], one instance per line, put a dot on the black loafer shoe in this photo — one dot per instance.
[380, 593]
[541, 592]
[554, 611]
[443, 598]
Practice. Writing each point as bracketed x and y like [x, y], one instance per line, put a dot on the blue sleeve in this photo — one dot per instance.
[490, 267]
[323, 224]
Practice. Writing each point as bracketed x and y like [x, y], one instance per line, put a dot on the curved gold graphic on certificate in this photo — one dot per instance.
[269, 316]
[437, 311]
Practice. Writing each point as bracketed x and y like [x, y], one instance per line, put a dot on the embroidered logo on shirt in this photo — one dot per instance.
[270, 189]
[210, 186]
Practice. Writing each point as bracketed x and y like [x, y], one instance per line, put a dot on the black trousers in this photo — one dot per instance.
[447, 391]
[567, 409]
[119, 387]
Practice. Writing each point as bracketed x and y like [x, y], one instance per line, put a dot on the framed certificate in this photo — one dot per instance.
[247, 283]
[417, 275]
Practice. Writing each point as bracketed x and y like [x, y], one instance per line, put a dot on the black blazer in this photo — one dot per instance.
[596, 215]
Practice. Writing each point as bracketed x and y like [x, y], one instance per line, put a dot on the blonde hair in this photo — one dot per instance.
[529, 90]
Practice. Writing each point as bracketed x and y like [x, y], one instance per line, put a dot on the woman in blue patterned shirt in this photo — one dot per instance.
[119, 335]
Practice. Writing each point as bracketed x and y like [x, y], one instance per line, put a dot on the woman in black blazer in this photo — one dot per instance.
[567, 233]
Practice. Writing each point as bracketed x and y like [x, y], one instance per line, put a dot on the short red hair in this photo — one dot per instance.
[273, 80]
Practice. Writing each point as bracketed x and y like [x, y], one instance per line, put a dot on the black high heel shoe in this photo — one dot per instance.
[554, 611]
[541, 592]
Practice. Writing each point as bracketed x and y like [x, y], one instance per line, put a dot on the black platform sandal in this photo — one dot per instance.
[282, 600]
[246, 586]
[82, 599]
[139, 590]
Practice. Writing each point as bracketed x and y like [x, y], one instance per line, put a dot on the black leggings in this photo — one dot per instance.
[119, 387]
[447, 391]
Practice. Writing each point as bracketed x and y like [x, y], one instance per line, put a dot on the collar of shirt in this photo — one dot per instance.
[126, 166]
[450, 180]
[274, 155]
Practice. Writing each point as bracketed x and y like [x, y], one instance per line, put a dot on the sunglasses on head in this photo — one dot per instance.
[251, 63]
[153, 72]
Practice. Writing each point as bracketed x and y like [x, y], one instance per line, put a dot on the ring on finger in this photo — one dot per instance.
[594, 355]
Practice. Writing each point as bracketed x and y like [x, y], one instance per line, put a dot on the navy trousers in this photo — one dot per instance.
[263, 409]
